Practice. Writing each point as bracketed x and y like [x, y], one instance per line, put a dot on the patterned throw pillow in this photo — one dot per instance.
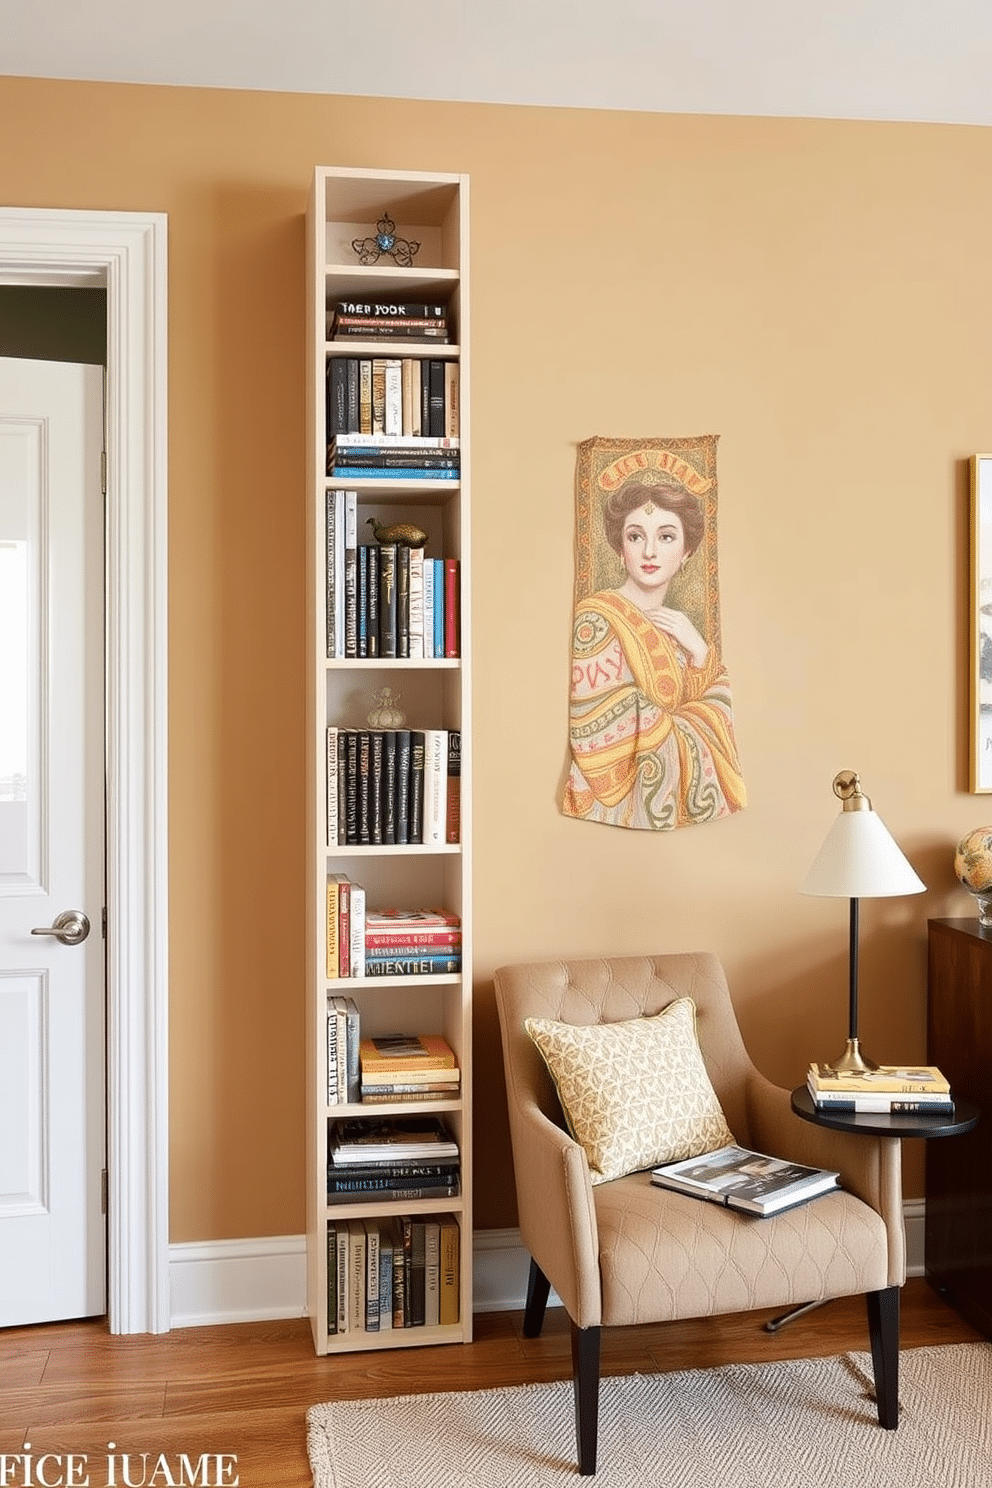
[634, 1094]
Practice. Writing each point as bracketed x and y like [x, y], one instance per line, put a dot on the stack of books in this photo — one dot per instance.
[368, 457]
[388, 320]
[408, 1066]
[897, 1088]
[412, 942]
[391, 1158]
[392, 1272]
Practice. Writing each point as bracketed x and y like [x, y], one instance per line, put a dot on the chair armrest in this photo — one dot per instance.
[869, 1167]
[556, 1211]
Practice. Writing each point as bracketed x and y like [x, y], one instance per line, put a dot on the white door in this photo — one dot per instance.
[52, 828]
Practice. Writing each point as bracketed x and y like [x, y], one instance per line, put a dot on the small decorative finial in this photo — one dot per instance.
[402, 250]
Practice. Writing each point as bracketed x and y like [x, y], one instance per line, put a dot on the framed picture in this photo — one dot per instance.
[980, 712]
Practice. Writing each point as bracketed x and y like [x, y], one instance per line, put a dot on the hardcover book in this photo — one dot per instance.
[892, 1079]
[388, 610]
[423, 1051]
[380, 964]
[362, 1139]
[450, 1257]
[393, 310]
[416, 787]
[435, 785]
[750, 1181]
[452, 828]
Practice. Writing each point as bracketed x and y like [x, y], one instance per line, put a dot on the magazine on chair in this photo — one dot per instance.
[750, 1181]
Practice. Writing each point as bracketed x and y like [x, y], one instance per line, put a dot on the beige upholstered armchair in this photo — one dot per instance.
[623, 1251]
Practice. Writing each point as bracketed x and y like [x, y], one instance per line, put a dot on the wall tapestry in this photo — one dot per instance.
[651, 724]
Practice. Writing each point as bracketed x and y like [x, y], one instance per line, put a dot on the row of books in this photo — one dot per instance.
[402, 395]
[393, 787]
[890, 1087]
[359, 1070]
[365, 457]
[372, 320]
[385, 599]
[400, 1272]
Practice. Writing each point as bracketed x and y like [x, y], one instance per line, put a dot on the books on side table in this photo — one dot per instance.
[920, 1089]
[745, 1180]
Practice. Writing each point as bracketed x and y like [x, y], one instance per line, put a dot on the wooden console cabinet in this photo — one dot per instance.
[959, 1171]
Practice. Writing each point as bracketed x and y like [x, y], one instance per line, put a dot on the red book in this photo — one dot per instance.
[344, 927]
[451, 626]
[407, 936]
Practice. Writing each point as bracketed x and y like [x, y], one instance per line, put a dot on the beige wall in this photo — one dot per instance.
[818, 294]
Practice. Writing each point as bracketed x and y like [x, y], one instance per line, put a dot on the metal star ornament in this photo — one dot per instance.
[369, 250]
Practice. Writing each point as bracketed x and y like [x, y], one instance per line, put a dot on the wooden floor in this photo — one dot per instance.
[244, 1390]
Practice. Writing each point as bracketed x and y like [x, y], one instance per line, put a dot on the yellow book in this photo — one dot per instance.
[332, 929]
[888, 1079]
[406, 1054]
[450, 1249]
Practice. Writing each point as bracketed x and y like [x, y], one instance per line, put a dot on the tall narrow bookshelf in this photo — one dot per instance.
[433, 692]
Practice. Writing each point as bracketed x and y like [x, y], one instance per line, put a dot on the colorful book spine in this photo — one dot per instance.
[452, 627]
[351, 573]
[453, 821]
[332, 786]
[408, 937]
[384, 964]
[438, 606]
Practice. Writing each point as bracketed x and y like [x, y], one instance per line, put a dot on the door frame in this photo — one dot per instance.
[126, 253]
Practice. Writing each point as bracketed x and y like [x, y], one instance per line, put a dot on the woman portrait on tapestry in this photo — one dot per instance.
[651, 726]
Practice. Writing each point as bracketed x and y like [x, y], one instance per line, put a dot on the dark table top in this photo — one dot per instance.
[884, 1123]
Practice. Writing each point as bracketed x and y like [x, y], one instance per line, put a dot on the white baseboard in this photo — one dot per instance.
[245, 1281]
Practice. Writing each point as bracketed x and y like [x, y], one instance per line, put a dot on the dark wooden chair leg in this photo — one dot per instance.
[538, 1287]
[883, 1329]
[585, 1375]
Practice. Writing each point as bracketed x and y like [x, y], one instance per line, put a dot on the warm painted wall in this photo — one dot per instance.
[817, 293]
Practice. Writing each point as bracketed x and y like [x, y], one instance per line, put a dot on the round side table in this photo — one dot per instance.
[897, 1124]
[885, 1123]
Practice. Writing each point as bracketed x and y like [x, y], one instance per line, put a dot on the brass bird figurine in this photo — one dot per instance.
[403, 534]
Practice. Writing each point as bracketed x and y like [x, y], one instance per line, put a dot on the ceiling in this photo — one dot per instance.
[927, 60]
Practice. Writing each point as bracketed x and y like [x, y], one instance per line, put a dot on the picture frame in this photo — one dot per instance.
[980, 627]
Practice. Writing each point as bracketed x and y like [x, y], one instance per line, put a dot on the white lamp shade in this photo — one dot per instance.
[861, 860]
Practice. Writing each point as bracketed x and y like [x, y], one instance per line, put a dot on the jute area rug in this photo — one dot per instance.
[779, 1425]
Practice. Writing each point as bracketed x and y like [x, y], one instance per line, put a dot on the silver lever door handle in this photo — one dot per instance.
[71, 927]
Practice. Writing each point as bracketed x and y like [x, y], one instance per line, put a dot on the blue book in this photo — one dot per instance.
[438, 606]
[369, 472]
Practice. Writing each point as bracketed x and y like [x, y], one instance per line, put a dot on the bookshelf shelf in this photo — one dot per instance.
[434, 694]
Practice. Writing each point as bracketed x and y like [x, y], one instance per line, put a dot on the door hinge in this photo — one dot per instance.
[103, 921]
[104, 1191]
[103, 472]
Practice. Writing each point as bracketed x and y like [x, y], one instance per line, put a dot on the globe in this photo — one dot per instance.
[973, 866]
